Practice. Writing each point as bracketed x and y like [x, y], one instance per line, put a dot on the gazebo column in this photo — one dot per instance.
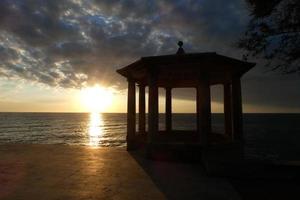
[168, 113]
[203, 110]
[142, 115]
[131, 115]
[152, 108]
[227, 109]
[237, 113]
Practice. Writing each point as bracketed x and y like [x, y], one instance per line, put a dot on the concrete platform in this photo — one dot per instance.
[76, 172]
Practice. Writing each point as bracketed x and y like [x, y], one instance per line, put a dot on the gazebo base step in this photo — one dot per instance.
[182, 146]
[174, 152]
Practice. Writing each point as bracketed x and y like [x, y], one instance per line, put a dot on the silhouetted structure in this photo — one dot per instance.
[181, 70]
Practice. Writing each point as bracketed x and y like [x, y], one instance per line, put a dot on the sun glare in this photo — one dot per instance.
[96, 99]
[95, 129]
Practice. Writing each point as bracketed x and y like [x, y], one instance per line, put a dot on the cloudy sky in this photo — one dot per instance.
[51, 49]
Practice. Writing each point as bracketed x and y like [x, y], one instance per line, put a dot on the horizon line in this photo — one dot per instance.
[138, 113]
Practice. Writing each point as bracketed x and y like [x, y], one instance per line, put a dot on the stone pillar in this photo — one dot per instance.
[237, 113]
[203, 110]
[142, 115]
[168, 113]
[152, 108]
[227, 109]
[131, 115]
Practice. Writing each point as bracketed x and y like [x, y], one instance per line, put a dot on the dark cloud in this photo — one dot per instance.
[72, 43]
[51, 41]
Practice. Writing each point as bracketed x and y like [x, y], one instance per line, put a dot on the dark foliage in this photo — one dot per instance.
[274, 34]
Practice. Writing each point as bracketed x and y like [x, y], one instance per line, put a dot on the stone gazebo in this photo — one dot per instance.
[183, 70]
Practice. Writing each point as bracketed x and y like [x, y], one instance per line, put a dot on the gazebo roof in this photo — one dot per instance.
[184, 70]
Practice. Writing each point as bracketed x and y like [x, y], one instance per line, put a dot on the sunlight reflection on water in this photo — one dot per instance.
[95, 129]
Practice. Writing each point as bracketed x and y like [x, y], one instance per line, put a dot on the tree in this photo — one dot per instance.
[273, 33]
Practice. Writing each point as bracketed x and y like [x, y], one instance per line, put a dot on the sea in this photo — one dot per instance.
[273, 137]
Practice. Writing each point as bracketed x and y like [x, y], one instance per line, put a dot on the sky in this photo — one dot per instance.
[51, 50]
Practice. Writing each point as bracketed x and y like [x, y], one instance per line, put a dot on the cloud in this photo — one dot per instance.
[71, 43]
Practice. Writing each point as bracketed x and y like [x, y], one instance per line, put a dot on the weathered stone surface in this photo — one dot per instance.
[72, 172]
[76, 172]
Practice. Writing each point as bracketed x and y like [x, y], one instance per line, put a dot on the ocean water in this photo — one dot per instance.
[267, 136]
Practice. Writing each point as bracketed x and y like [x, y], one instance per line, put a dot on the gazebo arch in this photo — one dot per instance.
[183, 70]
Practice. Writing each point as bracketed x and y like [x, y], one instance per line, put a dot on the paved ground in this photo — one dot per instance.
[74, 172]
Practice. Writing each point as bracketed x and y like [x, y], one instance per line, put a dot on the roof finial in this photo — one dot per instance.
[180, 50]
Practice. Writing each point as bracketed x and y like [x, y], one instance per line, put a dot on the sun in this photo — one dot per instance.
[97, 98]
